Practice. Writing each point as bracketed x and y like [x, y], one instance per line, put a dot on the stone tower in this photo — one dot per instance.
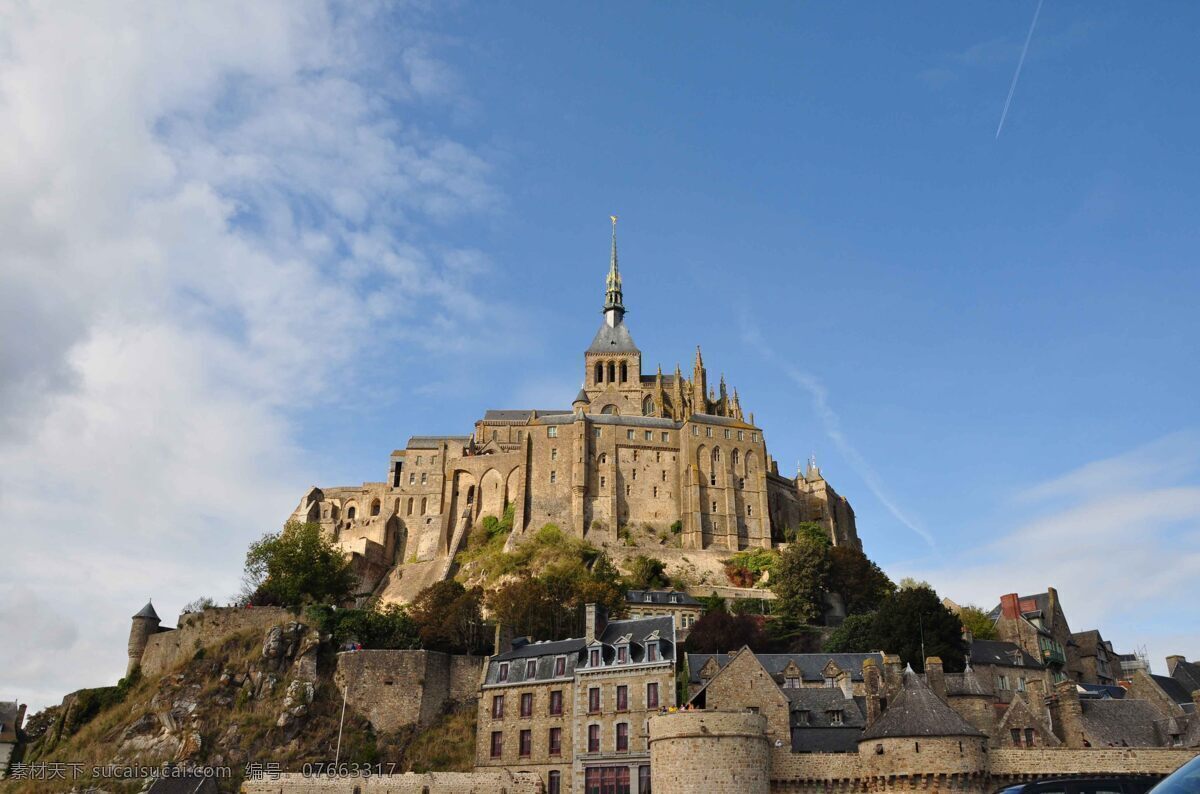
[145, 623]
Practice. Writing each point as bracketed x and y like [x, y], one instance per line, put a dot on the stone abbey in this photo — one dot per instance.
[634, 449]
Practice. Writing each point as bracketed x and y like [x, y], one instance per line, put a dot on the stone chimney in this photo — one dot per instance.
[1035, 692]
[844, 683]
[935, 676]
[1196, 700]
[502, 640]
[594, 622]
[893, 674]
[1173, 662]
[1010, 606]
[873, 686]
[1068, 715]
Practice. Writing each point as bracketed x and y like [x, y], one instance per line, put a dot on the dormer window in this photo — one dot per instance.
[835, 717]
[674, 599]
[531, 669]
[648, 598]
[560, 666]
[652, 652]
[502, 675]
[594, 658]
[830, 682]
[802, 717]
[622, 654]
[791, 682]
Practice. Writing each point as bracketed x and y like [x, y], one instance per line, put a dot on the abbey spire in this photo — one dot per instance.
[614, 308]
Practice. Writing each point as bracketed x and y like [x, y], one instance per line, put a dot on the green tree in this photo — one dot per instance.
[375, 626]
[855, 635]
[448, 618]
[977, 622]
[861, 583]
[808, 530]
[300, 565]
[799, 581]
[909, 583]
[914, 614]
[646, 573]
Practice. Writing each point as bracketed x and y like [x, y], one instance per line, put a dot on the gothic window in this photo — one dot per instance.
[648, 406]
[599, 372]
[716, 455]
[375, 507]
[350, 512]
[424, 506]
[612, 372]
[624, 372]
[410, 506]
[734, 457]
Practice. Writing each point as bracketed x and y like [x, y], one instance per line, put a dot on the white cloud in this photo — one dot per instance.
[211, 212]
[1119, 538]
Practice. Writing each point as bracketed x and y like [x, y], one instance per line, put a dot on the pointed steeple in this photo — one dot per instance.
[699, 359]
[614, 307]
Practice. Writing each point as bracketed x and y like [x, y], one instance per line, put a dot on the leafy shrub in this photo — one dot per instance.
[745, 568]
[676, 526]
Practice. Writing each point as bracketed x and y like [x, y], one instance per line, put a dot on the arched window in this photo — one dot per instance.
[599, 372]
[375, 508]
[603, 458]
[410, 506]
[733, 457]
[612, 372]
[624, 373]
[424, 505]
[648, 406]
[610, 409]
[350, 512]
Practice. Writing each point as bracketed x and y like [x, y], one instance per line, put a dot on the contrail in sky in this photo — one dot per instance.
[1016, 75]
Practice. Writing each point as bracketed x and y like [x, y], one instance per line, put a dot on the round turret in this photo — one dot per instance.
[717, 752]
[145, 623]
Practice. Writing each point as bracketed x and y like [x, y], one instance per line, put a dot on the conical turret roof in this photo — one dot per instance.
[147, 612]
[917, 711]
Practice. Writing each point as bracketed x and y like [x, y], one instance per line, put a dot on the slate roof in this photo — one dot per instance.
[660, 597]
[1175, 690]
[815, 731]
[812, 665]
[640, 628]
[147, 612]
[614, 339]
[1187, 674]
[713, 419]
[1001, 653]
[1102, 691]
[965, 683]
[553, 648]
[433, 442]
[917, 711]
[1120, 723]
[581, 397]
[521, 414]
[575, 649]
[610, 419]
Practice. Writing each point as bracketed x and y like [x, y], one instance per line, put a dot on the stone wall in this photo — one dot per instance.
[395, 688]
[166, 649]
[1092, 761]
[498, 781]
[716, 752]
[924, 755]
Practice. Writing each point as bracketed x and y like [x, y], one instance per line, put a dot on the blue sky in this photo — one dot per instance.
[308, 233]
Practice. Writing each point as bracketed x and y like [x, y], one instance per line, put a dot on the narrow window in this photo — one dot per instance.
[593, 700]
[555, 744]
[554, 453]
[1029, 737]
[602, 481]
[424, 478]
[350, 512]
[612, 372]
[727, 432]
[648, 435]
[635, 474]
[714, 503]
[695, 430]
[497, 707]
[624, 372]
[397, 467]
[599, 373]
[629, 435]
[656, 492]
[622, 658]
[741, 435]
[622, 698]
[410, 506]
[560, 666]
[527, 704]
[664, 475]
[652, 695]
[666, 437]
[418, 460]
[503, 674]
[531, 669]
[652, 652]
[553, 476]
[627, 489]
[603, 458]
[593, 739]
[424, 505]
[644, 779]
[749, 510]
[555, 702]
[594, 658]
[622, 737]
[596, 432]
[526, 743]
[1016, 736]
[708, 432]
[412, 478]
[497, 744]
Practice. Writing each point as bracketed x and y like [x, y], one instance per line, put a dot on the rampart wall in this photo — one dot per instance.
[396, 688]
[497, 781]
[166, 649]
